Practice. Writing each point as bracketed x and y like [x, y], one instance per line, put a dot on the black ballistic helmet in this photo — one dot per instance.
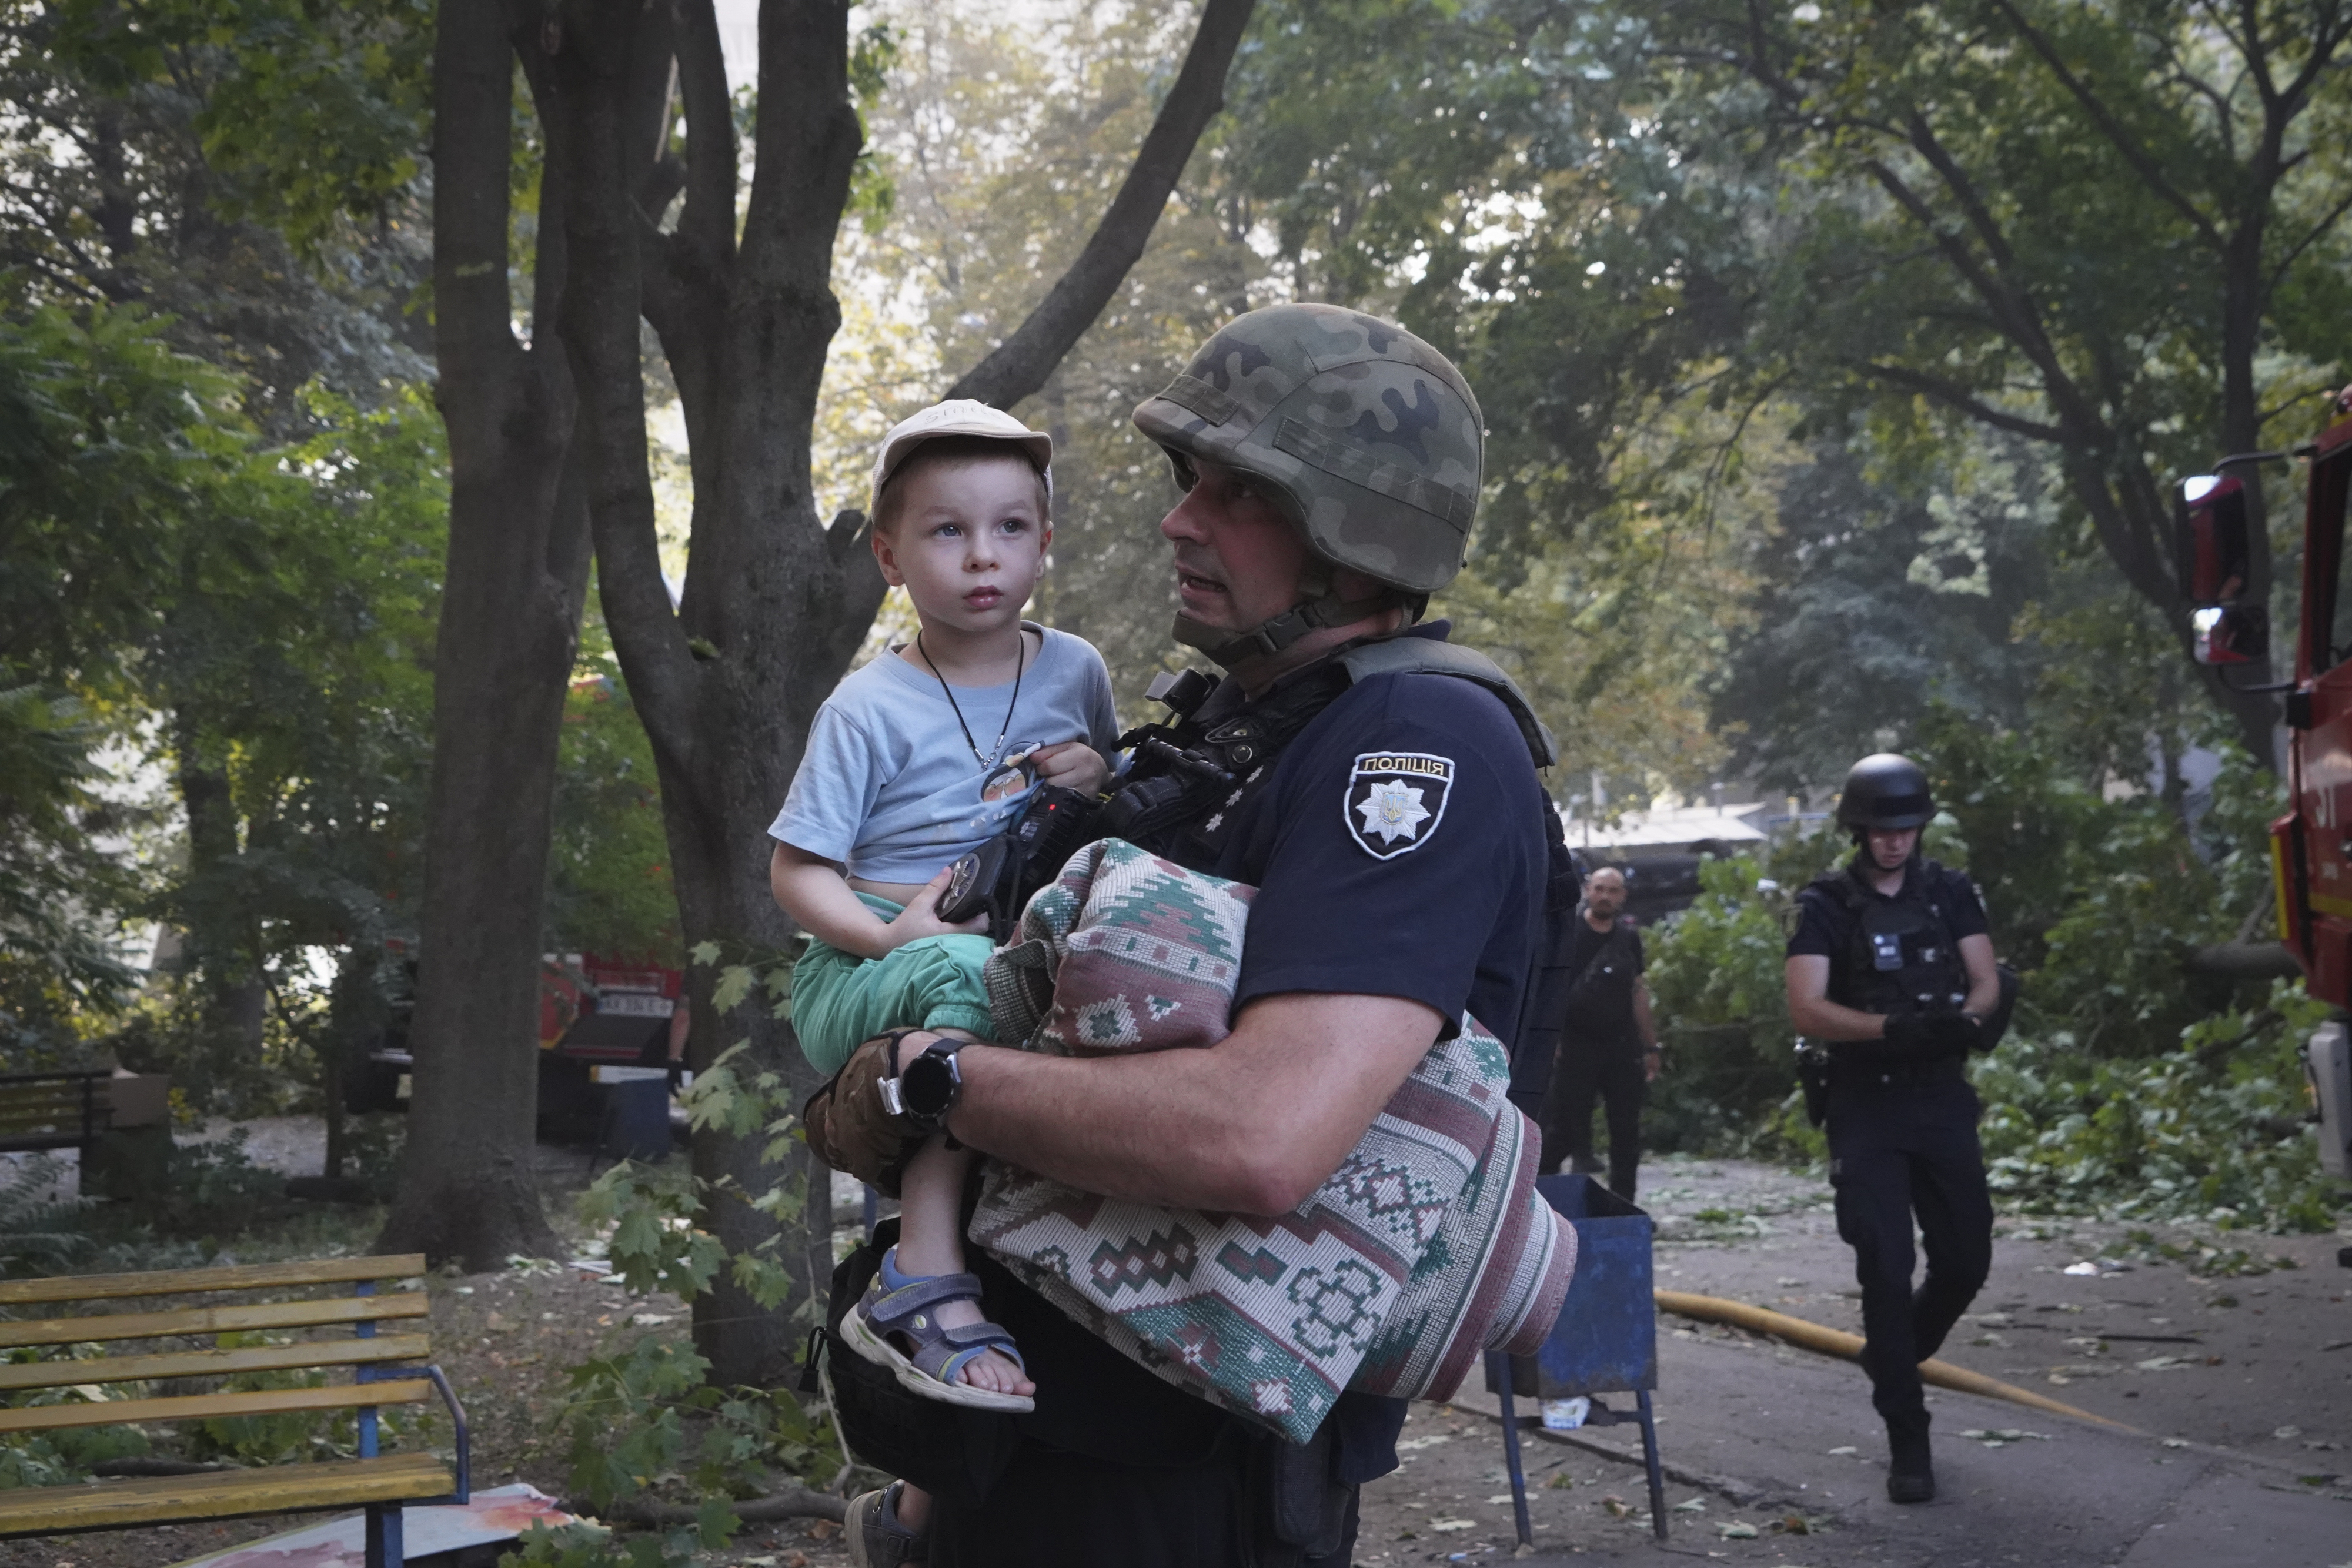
[1885, 790]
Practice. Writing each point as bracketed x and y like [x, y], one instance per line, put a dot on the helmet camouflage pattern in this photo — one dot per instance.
[1365, 435]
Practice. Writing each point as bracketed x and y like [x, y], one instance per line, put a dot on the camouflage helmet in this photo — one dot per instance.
[1364, 435]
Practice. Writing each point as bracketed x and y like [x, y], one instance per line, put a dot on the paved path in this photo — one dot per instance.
[2247, 1430]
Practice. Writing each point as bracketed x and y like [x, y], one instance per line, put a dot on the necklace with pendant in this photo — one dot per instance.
[1019, 663]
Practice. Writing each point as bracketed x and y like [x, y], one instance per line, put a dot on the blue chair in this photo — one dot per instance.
[1606, 1340]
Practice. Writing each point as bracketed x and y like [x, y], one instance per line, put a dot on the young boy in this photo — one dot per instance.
[919, 757]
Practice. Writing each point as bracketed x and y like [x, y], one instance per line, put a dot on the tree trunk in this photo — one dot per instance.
[509, 622]
[775, 603]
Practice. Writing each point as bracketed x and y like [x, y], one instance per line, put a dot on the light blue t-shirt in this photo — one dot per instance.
[889, 787]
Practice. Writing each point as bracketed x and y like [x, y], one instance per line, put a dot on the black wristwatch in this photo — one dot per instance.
[928, 1088]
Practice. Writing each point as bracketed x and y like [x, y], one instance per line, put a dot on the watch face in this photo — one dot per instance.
[926, 1086]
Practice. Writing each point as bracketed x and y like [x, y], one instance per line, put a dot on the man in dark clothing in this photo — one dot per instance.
[1892, 965]
[1608, 1043]
[1379, 787]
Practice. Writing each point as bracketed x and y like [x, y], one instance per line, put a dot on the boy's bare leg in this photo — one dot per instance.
[931, 1241]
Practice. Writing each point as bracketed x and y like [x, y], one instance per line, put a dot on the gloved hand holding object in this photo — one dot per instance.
[1934, 1034]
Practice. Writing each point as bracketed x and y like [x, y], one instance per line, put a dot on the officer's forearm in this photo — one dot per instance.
[1253, 1124]
[1823, 1019]
[1984, 976]
[1643, 1022]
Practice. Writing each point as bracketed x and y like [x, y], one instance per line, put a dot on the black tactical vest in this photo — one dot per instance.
[1190, 779]
[1902, 957]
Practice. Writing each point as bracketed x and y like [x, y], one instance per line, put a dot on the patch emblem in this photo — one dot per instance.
[1395, 800]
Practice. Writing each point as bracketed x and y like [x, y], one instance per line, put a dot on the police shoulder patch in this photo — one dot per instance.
[1396, 800]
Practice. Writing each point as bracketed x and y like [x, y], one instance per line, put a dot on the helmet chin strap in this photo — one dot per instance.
[1228, 649]
[1320, 607]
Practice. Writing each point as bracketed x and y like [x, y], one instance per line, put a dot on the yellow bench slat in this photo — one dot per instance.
[177, 1282]
[209, 1406]
[228, 1494]
[216, 1363]
[214, 1320]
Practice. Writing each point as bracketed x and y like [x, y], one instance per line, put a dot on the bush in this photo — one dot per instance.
[1715, 974]
[2213, 1132]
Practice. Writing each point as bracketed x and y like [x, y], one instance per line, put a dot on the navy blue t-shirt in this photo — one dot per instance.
[1398, 850]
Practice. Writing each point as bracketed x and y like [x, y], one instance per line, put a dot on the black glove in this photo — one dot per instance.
[1917, 1035]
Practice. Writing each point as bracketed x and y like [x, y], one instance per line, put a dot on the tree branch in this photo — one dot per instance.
[797, 1504]
[2109, 126]
[2009, 305]
[1961, 400]
[598, 324]
[708, 220]
[2311, 237]
[1020, 365]
[473, 136]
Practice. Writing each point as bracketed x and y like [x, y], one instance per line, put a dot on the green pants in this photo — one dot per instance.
[840, 1000]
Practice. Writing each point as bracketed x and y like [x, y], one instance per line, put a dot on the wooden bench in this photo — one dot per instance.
[54, 1110]
[385, 1368]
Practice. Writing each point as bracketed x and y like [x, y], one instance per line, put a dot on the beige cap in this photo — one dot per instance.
[959, 416]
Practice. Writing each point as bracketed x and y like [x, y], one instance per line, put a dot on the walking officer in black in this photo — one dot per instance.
[1892, 967]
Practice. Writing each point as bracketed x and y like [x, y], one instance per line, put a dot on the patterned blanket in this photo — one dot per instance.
[1427, 1247]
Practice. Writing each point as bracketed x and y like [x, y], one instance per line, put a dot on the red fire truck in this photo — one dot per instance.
[2311, 845]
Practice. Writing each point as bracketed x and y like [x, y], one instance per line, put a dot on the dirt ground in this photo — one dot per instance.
[503, 1339]
[2230, 1366]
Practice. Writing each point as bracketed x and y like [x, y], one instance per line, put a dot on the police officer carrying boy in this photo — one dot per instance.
[1378, 786]
[1891, 966]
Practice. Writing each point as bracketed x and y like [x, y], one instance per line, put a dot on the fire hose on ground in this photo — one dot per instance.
[1848, 1347]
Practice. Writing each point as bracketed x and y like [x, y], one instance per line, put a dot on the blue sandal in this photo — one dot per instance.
[907, 1305]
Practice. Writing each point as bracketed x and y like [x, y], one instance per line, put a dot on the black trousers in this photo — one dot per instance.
[1051, 1509]
[1900, 1150]
[1587, 1070]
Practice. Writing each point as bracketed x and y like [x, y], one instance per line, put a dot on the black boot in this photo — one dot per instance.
[1910, 1469]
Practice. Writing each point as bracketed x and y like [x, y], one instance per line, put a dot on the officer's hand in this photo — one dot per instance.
[1956, 1034]
[851, 1129]
[1933, 1034]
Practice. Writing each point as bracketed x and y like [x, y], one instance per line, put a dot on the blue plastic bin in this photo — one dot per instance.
[1606, 1339]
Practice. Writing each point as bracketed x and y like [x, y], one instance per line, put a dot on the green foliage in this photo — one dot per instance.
[657, 1243]
[586, 1545]
[2213, 1132]
[311, 117]
[2101, 901]
[1714, 975]
[38, 1232]
[645, 1416]
[657, 1215]
[609, 885]
[63, 1457]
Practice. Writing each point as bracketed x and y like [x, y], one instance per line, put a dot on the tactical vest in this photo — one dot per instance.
[1190, 781]
[1902, 957]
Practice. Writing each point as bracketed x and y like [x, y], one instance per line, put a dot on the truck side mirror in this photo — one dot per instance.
[2214, 542]
[2213, 571]
[2231, 634]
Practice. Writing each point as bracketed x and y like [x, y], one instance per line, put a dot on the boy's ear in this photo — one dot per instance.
[886, 556]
